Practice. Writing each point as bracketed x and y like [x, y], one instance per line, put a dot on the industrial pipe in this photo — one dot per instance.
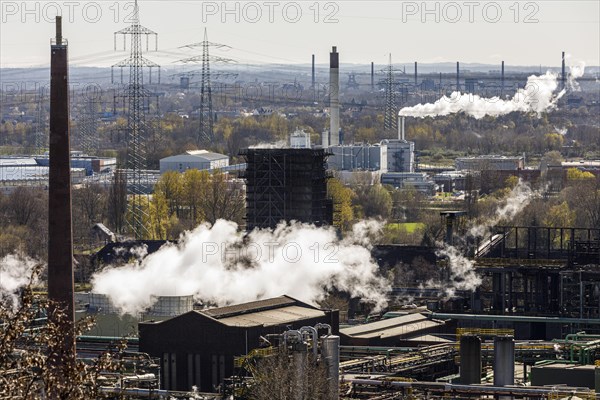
[293, 333]
[324, 326]
[315, 339]
[478, 389]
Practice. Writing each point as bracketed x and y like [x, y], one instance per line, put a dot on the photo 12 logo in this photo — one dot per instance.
[71, 11]
[470, 11]
[253, 12]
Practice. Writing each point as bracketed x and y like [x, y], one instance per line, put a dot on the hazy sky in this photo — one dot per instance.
[519, 32]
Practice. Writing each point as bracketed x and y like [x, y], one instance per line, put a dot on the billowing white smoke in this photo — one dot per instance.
[576, 71]
[219, 265]
[537, 96]
[15, 273]
[518, 198]
[462, 274]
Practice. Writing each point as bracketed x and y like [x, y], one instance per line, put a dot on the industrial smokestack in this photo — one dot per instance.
[325, 139]
[401, 135]
[60, 237]
[457, 76]
[416, 74]
[372, 76]
[313, 71]
[563, 76]
[502, 80]
[334, 100]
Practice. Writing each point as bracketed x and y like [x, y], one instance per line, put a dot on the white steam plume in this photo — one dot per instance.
[15, 273]
[280, 144]
[537, 96]
[462, 274]
[576, 70]
[219, 265]
[518, 198]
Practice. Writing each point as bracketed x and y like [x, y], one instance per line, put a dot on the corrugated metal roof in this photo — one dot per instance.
[383, 324]
[250, 307]
[430, 338]
[277, 316]
[399, 326]
[195, 157]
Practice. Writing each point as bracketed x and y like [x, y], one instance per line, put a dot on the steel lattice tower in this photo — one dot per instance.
[41, 136]
[206, 134]
[88, 128]
[206, 115]
[137, 104]
[390, 119]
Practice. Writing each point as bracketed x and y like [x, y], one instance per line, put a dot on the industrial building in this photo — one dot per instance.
[417, 180]
[358, 157]
[194, 159]
[400, 155]
[400, 152]
[286, 185]
[91, 164]
[450, 181]
[490, 162]
[396, 331]
[25, 171]
[34, 170]
[300, 139]
[198, 348]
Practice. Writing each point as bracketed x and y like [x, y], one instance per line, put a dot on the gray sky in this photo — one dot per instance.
[521, 33]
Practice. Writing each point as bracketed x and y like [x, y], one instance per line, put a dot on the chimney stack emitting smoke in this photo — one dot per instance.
[60, 237]
[334, 101]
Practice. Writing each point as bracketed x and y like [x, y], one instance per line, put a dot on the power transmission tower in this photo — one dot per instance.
[41, 136]
[390, 119]
[206, 134]
[88, 126]
[137, 103]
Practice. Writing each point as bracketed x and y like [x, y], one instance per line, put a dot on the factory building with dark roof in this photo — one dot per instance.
[198, 348]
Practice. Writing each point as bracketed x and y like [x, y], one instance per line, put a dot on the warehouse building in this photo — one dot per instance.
[198, 348]
[194, 159]
[396, 331]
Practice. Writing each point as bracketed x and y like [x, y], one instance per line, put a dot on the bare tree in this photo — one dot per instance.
[32, 364]
[117, 201]
[224, 200]
[25, 205]
[290, 376]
